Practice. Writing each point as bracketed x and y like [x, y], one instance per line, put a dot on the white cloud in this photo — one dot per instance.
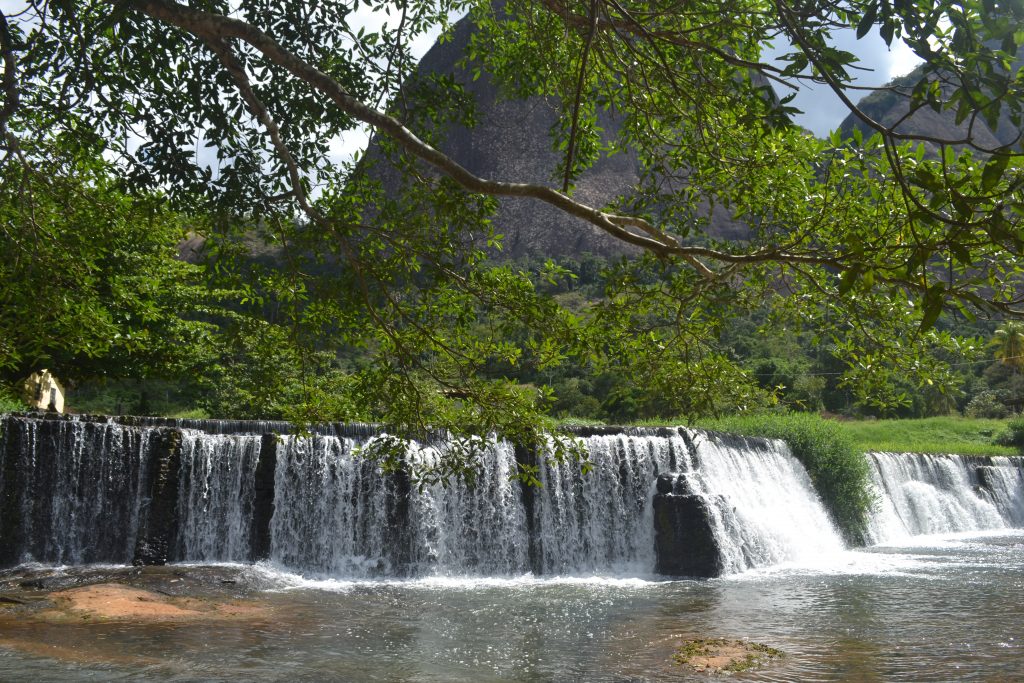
[822, 109]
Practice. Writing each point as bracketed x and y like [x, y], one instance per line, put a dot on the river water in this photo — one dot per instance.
[941, 608]
[369, 579]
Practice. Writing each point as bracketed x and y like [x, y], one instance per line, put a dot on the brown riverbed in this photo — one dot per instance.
[35, 605]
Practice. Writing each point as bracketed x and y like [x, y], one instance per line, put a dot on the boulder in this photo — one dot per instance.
[685, 542]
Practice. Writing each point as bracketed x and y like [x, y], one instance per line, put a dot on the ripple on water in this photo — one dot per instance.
[944, 608]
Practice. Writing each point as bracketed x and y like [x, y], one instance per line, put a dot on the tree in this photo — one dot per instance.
[846, 234]
[1008, 343]
[90, 280]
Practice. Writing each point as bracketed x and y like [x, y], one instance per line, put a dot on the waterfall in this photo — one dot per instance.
[764, 508]
[602, 521]
[480, 529]
[81, 490]
[215, 496]
[933, 494]
[1004, 482]
[339, 515]
[72, 492]
[333, 512]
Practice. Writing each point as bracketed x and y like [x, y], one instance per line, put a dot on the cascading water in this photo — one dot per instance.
[83, 506]
[934, 494]
[80, 491]
[334, 514]
[215, 496]
[339, 515]
[1004, 482]
[764, 508]
[602, 521]
[480, 530]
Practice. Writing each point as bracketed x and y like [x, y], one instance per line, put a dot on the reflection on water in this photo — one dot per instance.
[942, 609]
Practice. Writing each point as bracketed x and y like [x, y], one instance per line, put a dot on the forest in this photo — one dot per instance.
[178, 237]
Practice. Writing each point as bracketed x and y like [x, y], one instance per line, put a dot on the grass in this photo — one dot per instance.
[960, 435]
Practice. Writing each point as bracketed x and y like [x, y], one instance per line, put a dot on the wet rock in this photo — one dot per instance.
[158, 529]
[719, 655]
[666, 482]
[263, 503]
[685, 542]
[985, 477]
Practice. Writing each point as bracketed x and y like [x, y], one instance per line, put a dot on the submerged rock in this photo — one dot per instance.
[111, 601]
[718, 655]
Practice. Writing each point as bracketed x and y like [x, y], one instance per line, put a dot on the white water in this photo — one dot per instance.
[78, 493]
[480, 530]
[767, 511]
[335, 515]
[602, 521]
[215, 496]
[80, 507]
[1006, 485]
[939, 494]
[331, 509]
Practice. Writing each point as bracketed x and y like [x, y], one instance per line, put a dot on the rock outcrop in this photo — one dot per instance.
[685, 542]
[511, 142]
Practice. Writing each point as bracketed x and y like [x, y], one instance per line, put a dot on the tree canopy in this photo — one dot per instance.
[864, 239]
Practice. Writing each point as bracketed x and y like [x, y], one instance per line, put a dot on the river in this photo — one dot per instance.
[946, 608]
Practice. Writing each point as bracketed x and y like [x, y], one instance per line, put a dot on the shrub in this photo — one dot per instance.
[9, 402]
[987, 404]
[1013, 435]
[840, 472]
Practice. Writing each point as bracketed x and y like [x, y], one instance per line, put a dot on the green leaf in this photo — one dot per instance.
[932, 306]
[993, 171]
[868, 20]
[848, 279]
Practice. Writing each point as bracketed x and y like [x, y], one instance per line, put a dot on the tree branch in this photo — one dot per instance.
[213, 27]
[573, 129]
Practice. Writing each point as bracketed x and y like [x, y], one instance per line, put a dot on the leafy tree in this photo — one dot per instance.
[90, 280]
[1008, 345]
[846, 234]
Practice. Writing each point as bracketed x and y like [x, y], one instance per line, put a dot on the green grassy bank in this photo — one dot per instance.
[961, 435]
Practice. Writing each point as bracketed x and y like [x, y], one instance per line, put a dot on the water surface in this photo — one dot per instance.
[945, 608]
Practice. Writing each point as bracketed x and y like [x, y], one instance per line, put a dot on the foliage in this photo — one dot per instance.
[1008, 343]
[90, 282]
[170, 398]
[1013, 435]
[263, 375]
[959, 435]
[986, 404]
[386, 304]
[839, 471]
[9, 402]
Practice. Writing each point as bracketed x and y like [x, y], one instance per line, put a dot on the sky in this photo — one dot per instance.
[822, 110]
[879, 64]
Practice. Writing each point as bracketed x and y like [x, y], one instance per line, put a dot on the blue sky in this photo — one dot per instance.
[822, 110]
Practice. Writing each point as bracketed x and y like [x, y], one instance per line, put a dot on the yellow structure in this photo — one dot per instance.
[44, 392]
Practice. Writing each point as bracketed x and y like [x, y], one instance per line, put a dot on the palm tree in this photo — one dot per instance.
[1008, 341]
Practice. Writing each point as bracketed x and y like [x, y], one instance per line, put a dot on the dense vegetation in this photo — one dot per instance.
[323, 292]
